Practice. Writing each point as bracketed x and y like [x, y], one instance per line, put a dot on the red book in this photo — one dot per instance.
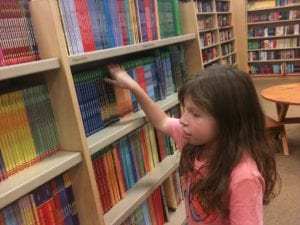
[148, 20]
[102, 185]
[122, 20]
[58, 208]
[85, 26]
[161, 145]
[140, 73]
[159, 211]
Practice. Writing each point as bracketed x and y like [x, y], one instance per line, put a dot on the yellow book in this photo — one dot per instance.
[169, 189]
[6, 139]
[148, 146]
[260, 4]
[153, 144]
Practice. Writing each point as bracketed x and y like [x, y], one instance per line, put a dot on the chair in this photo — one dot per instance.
[277, 130]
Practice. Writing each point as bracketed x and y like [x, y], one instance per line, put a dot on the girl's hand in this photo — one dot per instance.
[119, 77]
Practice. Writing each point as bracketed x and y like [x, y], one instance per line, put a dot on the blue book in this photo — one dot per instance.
[106, 10]
[146, 213]
[76, 38]
[133, 159]
[115, 23]
[131, 178]
[122, 150]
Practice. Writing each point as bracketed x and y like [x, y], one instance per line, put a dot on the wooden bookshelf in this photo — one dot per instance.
[117, 130]
[27, 180]
[142, 190]
[217, 41]
[55, 69]
[265, 26]
[13, 71]
[125, 50]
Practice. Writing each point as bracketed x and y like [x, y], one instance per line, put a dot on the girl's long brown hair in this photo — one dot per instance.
[230, 97]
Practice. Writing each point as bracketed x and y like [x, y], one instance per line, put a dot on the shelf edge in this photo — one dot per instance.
[30, 178]
[22, 69]
[125, 50]
[141, 190]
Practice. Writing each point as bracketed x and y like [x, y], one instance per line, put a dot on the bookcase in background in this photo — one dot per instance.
[216, 32]
[273, 37]
[55, 70]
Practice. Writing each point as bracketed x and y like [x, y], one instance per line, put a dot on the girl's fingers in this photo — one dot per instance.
[110, 81]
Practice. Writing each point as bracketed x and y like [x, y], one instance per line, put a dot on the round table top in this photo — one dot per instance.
[286, 94]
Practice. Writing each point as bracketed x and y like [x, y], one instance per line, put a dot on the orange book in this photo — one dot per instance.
[109, 180]
[119, 171]
[146, 157]
[113, 176]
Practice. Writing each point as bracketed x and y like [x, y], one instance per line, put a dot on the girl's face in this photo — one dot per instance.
[199, 127]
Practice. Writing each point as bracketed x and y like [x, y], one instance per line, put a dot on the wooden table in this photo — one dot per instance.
[284, 96]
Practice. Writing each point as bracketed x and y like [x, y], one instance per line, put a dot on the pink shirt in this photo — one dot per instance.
[246, 190]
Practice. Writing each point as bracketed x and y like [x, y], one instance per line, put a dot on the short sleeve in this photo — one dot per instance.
[246, 202]
[175, 130]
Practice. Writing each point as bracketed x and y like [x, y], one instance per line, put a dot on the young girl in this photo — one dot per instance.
[226, 160]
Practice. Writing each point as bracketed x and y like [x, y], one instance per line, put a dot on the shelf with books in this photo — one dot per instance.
[117, 130]
[219, 34]
[29, 179]
[273, 36]
[56, 73]
[124, 50]
[141, 190]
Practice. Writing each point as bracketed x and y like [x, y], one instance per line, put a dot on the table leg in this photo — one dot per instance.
[281, 111]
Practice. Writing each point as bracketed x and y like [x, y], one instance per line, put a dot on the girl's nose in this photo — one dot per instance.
[182, 120]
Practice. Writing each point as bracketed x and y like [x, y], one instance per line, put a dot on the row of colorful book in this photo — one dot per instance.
[227, 48]
[17, 39]
[226, 35]
[204, 6]
[274, 43]
[286, 2]
[222, 6]
[292, 29]
[273, 69]
[155, 210]
[119, 166]
[159, 72]
[275, 16]
[252, 5]
[51, 203]
[208, 38]
[91, 25]
[209, 54]
[224, 20]
[28, 131]
[273, 55]
[228, 60]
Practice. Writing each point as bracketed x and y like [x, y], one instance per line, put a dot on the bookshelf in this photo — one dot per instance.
[216, 31]
[273, 38]
[55, 70]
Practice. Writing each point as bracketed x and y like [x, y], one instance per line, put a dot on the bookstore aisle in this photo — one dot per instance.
[68, 140]
[76, 150]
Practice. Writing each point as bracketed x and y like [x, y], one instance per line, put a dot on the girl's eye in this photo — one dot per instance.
[196, 115]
